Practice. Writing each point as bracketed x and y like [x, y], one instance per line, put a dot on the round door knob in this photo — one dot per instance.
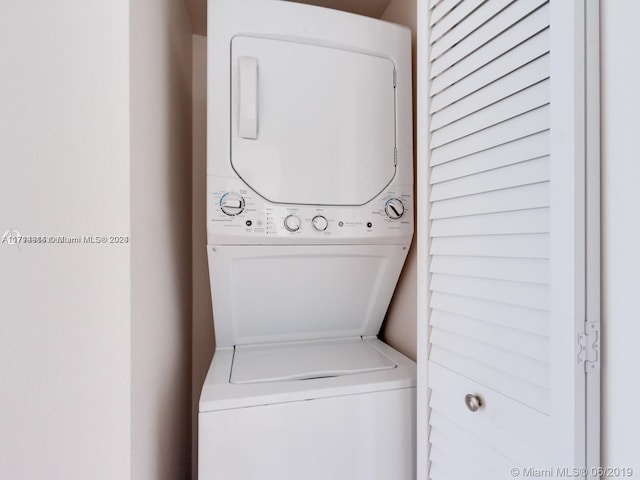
[394, 208]
[474, 402]
[292, 223]
[320, 223]
[232, 204]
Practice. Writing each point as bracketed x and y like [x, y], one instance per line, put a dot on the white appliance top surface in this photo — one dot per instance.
[305, 360]
[218, 393]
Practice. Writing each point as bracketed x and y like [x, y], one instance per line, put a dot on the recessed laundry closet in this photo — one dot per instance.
[319, 239]
[309, 204]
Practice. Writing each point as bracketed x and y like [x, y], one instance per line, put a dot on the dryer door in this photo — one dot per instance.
[311, 124]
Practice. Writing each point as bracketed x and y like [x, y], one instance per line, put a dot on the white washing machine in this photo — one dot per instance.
[309, 220]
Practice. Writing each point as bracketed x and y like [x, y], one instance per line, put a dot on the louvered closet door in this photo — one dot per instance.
[506, 243]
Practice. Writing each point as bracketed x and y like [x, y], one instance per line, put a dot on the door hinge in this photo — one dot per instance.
[589, 343]
[395, 156]
[395, 79]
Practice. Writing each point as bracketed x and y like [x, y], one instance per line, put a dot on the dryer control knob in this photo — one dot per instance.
[394, 208]
[292, 223]
[320, 223]
[232, 204]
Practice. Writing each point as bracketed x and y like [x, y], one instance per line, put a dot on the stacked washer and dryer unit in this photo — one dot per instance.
[309, 220]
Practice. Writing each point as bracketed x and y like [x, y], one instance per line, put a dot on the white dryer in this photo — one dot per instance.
[309, 220]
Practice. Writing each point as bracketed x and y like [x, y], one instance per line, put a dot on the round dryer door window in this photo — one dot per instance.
[311, 124]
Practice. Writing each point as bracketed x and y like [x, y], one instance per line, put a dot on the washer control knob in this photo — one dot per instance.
[232, 204]
[292, 223]
[394, 208]
[320, 223]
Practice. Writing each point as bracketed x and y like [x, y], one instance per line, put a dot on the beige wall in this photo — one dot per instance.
[399, 329]
[203, 340]
[95, 339]
[620, 104]
[161, 239]
[64, 308]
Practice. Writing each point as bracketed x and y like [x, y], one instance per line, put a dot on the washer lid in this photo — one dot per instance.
[305, 360]
[287, 293]
[311, 124]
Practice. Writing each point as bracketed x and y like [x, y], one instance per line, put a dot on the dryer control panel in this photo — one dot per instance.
[236, 214]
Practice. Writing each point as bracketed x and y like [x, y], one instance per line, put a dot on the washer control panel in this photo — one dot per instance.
[236, 212]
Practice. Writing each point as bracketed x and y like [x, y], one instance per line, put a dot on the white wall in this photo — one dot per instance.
[620, 104]
[64, 309]
[400, 325]
[161, 239]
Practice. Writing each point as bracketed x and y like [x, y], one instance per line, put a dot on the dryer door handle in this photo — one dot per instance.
[248, 97]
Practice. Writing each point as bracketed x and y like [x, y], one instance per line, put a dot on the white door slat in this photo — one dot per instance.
[510, 84]
[462, 445]
[517, 341]
[523, 101]
[460, 440]
[470, 462]
[455, 469]
[500, 416]
[479, 16]
[508, 199]
[513, 293]
[465, 441]
[514, 387]
[518, 33]
[437, 473]
[443, 94]
[521, 126]
[521, 246]
[520, 366]
[520, 174]
[508, 18]
[434, 3]
[445, 458]
[526, 148]
[535, 220]
[523, 319]
[452, 423]
[442, 8]
[452, 18]
[470, 456]
[528, 270]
